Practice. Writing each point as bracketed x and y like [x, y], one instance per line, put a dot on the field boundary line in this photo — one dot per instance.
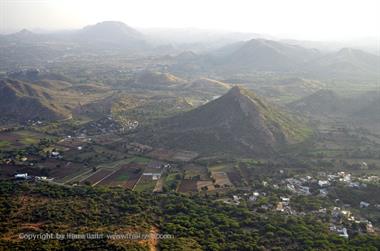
[105, 177]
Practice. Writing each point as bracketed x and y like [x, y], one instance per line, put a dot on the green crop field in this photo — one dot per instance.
[4, 144]
[122, 177]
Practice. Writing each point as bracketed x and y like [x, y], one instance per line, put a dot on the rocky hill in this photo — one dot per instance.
[20, 101]
[239, 122]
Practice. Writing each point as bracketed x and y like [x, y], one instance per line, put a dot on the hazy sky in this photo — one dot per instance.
[300, 19]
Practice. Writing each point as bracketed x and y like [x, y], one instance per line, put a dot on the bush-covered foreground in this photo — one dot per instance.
[196, 223]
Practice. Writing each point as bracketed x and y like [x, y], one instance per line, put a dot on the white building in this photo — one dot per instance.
[343, 233]
[285, 200]
[155, 176]
[21, 176]
[55, 154]
[364, 204]
[323, 183]
[41, 178]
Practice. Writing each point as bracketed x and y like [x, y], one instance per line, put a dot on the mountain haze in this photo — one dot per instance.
[263, 54]
[346, 61]
[109, 31]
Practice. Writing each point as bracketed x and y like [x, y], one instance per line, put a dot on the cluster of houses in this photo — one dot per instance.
[131, 124]
[341, 218]
[35, 122]
[284, 206]
[137, 147]
[104, 125]
[72, 143]
[341, 231]
[23, 160]
[297, 185]
[370, 179]
[236, 199]
[302, 185]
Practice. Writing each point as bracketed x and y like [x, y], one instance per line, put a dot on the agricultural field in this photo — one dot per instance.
[171, 181]
[161, 154]
[173, 155]
[159, 187]
[124, 172]
[77, 173]
[197, 172]
[196, 178]
[205, 185]
[139, 160]
[97, 176]
[184, 156]
[187, 186]
[4, 144]
[60, 170]
[126, 176]
[221, 179]
[145, 184]
[7, 171]
[93, 154]
[106, 139]
[222, 167]
[235, 178]
[20, 138]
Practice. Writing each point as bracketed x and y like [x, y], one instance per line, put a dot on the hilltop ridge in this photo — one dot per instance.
[237, 122]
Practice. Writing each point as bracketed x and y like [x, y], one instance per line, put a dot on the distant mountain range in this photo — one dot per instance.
[261, 55]
[346, 61]
[255, 55]
[111, 33]
[108, 35]
[267, 55]
[238, 122]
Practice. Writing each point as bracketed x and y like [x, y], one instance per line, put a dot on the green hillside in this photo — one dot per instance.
[238, 122]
